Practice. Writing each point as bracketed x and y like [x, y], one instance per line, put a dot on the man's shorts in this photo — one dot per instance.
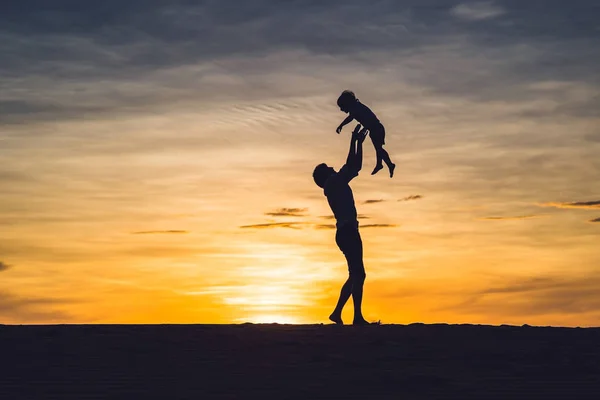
[348, 239]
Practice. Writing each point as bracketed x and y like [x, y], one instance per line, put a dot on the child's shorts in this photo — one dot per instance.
[377, 134]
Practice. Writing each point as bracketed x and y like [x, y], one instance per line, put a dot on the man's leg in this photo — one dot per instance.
[356, 268]
[341, 239]
[336, 315]
[358, 281]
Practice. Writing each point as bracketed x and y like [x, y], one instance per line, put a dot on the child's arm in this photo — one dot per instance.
[348, 119]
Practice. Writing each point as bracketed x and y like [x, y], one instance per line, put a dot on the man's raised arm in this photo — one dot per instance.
[355, 154]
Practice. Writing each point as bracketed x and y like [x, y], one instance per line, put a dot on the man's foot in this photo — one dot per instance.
[336, 318]
[377, 169]
[392, 168]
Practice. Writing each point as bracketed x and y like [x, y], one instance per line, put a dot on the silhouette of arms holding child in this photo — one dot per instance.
[355, 155]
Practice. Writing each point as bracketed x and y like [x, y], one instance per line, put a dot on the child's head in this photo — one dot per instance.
[321, 174]
[346, 99]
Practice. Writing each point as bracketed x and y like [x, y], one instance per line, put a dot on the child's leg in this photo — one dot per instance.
[382, 155]
[385, 157]
[378, 153]
[388, 161]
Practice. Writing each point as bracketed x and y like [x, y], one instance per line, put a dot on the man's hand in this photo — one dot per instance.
[355, 155]
[362, 135]
[359, 134]
[356, 131]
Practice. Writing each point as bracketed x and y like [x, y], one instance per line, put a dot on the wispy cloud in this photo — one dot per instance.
[509, 218]
[292, 225]
[536, 296]
[528, 285]
[476, 11]
[168, 232]
[360, 216]
[288, 212]
[378, 226]
[371, 226]
[373, 201]
[595, 204]
[3, 266]
[411, 197]
[22, 309]
[325, 226]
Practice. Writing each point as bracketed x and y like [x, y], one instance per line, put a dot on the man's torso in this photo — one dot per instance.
[340, 197]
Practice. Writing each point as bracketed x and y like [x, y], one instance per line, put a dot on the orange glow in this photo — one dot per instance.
[207, 213]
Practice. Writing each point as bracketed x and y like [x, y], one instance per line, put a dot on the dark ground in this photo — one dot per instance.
[298, 362]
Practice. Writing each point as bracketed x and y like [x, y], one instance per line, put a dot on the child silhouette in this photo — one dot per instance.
[348, 103]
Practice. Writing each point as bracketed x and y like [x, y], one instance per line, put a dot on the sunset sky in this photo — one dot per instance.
[156, 160]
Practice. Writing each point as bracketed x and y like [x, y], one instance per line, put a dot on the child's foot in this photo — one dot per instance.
[377, 169]
[392, 167]
[336, 318]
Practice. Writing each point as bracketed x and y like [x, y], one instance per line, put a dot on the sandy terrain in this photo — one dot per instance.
[298, 362]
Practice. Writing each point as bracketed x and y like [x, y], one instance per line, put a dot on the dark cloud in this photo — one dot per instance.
[577, 204]
[325, 226]
[292, 225]
[411, 197]
[159, 232]
[595, 220]
[288, 212]
[93, 49]
[517, 217]
[3, 266]
[378, 226]
[20, 107]
[373, 201]
[23, 309]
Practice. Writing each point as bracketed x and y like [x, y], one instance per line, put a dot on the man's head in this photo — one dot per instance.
[346, 99]
[321, 173]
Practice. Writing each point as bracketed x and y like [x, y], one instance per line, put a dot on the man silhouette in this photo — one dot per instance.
[341, 200]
